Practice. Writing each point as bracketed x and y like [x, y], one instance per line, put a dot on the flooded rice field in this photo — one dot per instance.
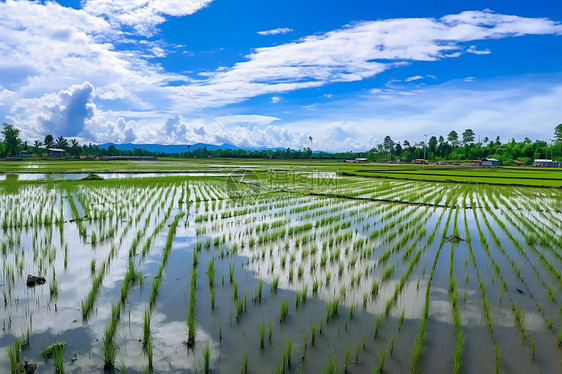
[205, 275]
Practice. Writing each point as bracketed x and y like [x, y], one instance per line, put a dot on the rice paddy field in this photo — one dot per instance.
[284, 274]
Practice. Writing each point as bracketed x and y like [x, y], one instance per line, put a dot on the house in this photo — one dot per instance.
[490, 162]
[401, 160]
[25, 153]
[55, 152]
[420, 161]
[543, 163]
[519, 163]
[360, 159]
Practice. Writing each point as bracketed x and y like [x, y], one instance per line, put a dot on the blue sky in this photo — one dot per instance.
[258, 73]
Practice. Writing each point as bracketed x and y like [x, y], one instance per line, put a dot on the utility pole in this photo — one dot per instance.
[424, 145]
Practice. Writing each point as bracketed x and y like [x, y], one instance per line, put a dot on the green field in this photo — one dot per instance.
[524, 176]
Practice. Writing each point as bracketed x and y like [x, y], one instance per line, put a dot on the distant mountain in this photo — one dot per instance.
[175, 148]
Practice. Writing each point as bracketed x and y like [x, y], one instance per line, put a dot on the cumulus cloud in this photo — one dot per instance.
[280, 30]
[68, 113]
[275, 99]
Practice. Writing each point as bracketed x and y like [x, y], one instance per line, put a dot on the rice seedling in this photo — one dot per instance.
[377, 326]
[283, 310]
[401, 320]
[533, 346]
[275, 284]
[332, 308]
[245, 363]
[146, 327]
[211, 272]
[287, 354]
[14, 356]
[497, 356]
[206, 357]
[261, 332]
[58, 359]
[258, 293]
[347, 360]
[331, 368]
[191, 327]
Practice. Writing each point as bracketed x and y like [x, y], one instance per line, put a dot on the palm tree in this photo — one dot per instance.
[25, 145]
[62, 143]
[74, 146]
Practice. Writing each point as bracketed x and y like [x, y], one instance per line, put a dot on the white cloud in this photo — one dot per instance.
[142, 15]
[275, 99]
[61, 65]
[359, 51]
[280, 30]
[414, 78]
[472, 49]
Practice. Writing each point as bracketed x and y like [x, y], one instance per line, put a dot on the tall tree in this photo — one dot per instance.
[558, 133]
[388, 144]
[11, 140]
[468, 136]
[49, 141]
[453, 137]
[431, 144]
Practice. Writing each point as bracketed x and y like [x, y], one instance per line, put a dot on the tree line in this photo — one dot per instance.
[453, 147]
[464, 147]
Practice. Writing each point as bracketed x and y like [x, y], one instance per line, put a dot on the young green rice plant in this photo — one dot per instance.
[347, 360]
[93, 266]
[235, 290]
[401, 320]
[332, 308]
[287, 353]
[211, 272]
[374, 288]
[377, 326]
[239, 306]
[301, 296]
[275, 284]
[245, 363]
[195, 258]
[283, 310]
[315, 286]
[109, 353]
[261, 332]
[231, 273]
[497, 356]
[388, 272]
[149, 353]
[54, 288]
[191, 326]
[58, 360]
[207, 357]
[258, 293]
[14, 356]
[533, 346]
[146, 327]
[382, 362]
[331, 368]
[270, 336]
[312, 333]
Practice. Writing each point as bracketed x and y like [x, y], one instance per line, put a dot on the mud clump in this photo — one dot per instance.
[454, 239]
